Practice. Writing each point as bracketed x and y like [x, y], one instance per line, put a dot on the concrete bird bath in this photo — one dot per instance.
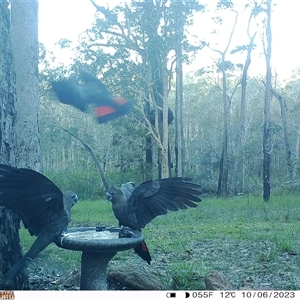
[98, 245]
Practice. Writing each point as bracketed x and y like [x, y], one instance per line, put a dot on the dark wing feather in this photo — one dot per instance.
[154, 198]
[93, 83]
[43, 208]
[92, 91]
[31, 195]
[70, 92]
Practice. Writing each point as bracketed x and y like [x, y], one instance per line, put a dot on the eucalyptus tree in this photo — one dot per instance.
[238, 163]
[18, 145]
[24, 35]
[223, 66]
[267, 43]
[227, 68]
[137, 40]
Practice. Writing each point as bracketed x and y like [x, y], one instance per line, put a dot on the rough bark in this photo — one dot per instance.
[10, 250]
[19, 130]
[24, 34]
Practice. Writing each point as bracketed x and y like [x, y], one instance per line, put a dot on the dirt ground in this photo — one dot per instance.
[245, 265]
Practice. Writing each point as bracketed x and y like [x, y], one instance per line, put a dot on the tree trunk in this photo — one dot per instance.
[297, 147]
[24, 34]
[165, 170]
[157, 58]
[223, 171]
[179, 142]
[223, 166]
[149, 149]
[239, 139]
[179, 148]
[10, 250]
[19, 139]
[288, 151]
[267, 100]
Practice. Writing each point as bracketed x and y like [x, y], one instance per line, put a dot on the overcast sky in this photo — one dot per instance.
[68, 18]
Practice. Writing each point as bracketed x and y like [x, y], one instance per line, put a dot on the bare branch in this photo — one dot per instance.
[128, 37]
[222, 53]
[153, 131]
[91, 152]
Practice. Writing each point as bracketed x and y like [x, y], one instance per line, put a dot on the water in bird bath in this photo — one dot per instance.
[99, 239]
[92, 235]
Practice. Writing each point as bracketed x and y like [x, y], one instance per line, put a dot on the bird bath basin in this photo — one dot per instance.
[98, 245]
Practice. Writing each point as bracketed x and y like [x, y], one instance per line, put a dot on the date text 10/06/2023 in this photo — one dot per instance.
[243, 294]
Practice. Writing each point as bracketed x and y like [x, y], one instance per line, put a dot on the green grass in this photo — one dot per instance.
[181, 241]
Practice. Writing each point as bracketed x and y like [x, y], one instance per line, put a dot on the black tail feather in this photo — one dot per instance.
[142, 251]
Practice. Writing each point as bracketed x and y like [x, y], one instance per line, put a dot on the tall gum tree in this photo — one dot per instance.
[145, 30]
[267, 105]
[222, 190]
[10, 250]
[19, 113]
[24, 35]
[238, 164]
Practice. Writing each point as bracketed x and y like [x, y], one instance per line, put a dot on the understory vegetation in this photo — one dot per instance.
[253, 243]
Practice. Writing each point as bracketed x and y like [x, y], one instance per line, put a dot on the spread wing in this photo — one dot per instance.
[32, 196]
[68, 91]
[92, 91]
[154, 198]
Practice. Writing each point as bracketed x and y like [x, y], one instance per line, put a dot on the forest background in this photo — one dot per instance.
[218, 134]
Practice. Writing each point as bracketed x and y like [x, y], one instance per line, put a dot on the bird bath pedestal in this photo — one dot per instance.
[98, 245]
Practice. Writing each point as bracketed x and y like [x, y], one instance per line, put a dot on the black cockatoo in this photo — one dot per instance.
[135, 207]
[44, 209]
[91, 92]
